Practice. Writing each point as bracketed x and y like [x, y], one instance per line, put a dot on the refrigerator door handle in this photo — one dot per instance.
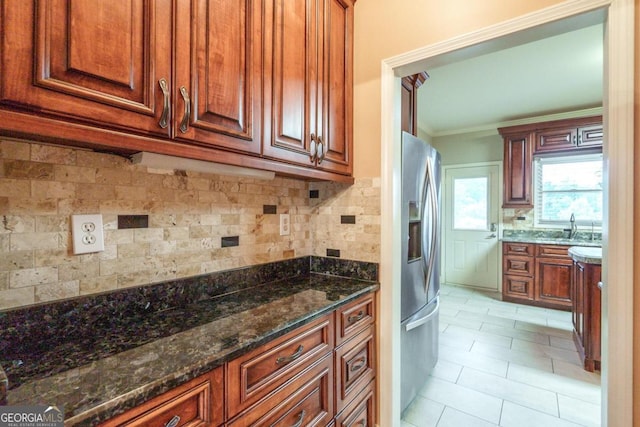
[434, 209]
[421, 321]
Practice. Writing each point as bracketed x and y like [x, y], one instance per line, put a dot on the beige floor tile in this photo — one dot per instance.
[506, 389]
[519, 357]
[478, 336]
[458, 321]
[463, 399]
[579, 411]
[475, 361]
[564, 343]
[403, 423]
[454, 418]
[423, 412]
[571, 370]
[586, 391]
[487, 318]
[570, 356]
[542, 328]
[516, 333]
[446, 370]
[514, 415]
[456, 341]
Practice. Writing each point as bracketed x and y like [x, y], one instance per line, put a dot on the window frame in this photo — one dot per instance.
[538, 161]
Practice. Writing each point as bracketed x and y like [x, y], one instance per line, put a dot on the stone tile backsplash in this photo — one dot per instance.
[41, 186]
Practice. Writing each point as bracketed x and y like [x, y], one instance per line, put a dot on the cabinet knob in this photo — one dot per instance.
[357, 317]
[600, 285]
[164, 118]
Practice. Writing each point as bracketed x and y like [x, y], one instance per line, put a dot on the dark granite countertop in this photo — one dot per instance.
[118, 365]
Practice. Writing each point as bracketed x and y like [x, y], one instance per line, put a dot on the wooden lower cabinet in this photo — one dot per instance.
[361, 411]
[537, 274]
[306, 401]
[199, 402]
[307, 377]
[586, 313]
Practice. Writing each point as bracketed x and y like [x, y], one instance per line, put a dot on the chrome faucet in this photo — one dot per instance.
[574, 228]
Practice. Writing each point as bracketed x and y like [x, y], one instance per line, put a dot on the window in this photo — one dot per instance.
[470, 203]
[568, 185]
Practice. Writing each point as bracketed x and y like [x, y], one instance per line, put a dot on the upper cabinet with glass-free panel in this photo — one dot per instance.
[570, 135]
[523, 142]
[308, 76]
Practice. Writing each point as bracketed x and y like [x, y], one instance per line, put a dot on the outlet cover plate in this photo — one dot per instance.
[285, 224]
[88, 234]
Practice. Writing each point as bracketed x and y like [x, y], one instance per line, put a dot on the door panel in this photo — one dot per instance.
[337, 86]
[291, 61]
[471, 218]
[220, 73]
[91, 60]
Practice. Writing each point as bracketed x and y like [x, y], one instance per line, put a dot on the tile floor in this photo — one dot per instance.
[504, 364]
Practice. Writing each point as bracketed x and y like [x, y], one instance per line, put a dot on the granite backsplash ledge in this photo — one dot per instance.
[94, 327]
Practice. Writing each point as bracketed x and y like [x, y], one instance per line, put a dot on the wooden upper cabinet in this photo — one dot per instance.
[308, 99]
[88, 60]
[518, 174]
[409, 102]
[217, 92]
[570, 135]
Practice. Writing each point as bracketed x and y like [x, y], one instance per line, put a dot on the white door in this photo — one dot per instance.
[471, 225]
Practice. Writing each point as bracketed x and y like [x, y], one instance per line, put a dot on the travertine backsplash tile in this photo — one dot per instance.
[189, 213]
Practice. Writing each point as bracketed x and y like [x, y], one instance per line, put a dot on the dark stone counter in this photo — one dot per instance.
[99, 356]
[552, 237]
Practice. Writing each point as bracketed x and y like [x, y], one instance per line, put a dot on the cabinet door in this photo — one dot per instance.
[409, 102]
[517, 171]
[334, 129]
[553, 282]
[218, 60]
[590, 136]
[291, 78]
[554, 140]
[578, 305]
[89, 61]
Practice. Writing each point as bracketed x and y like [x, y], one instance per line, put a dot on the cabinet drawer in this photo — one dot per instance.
[361, 411]
[354, 316]
[555, 251]
[196, 403]
[518, 265]
[355, 366]
[256, 374]
[518, 249]
[307, 401]
[520, 287]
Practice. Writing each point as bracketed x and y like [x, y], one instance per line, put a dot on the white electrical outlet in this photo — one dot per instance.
[285, 225]
[87, 233]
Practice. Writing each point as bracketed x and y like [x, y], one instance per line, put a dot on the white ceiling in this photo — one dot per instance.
[559, 74]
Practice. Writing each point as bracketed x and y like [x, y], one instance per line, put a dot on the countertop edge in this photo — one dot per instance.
[131, 399]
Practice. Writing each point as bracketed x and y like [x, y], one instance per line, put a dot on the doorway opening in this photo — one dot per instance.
[617, 15]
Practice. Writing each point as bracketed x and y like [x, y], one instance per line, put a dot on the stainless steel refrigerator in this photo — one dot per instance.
[420, 285]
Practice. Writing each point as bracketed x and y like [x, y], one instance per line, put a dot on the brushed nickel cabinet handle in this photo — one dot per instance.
[184, 124]
[164, 118]
[300, 419]
[357, 317]
[173, 422]
[289, 359]
[360, 363]
[313, 148]
[321, 151]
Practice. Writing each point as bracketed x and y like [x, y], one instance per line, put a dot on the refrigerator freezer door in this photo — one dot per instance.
[420, 222]
[419, 344]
